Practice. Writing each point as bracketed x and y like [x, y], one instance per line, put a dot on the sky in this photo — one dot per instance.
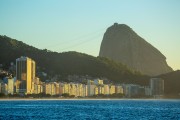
[79, 25]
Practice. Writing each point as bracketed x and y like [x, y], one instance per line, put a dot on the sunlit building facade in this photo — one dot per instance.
[119, 89]
[10, 86]
[106, 89]
[25, 74]
[112, 89]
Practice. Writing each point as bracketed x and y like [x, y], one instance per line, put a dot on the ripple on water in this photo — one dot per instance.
[87, 109]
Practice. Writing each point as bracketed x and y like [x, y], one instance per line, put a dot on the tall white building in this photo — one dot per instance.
[157, 86]
[90, 87]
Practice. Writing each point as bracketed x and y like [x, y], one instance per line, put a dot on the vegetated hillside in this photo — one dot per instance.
[68, 63]
[172, 82]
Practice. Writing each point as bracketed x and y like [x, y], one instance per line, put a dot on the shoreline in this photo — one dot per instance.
[68, 99]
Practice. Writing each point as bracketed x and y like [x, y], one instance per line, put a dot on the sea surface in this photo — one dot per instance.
[90, 109]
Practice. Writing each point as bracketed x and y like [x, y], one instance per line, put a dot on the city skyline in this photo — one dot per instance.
[26, 83]
[79, 25]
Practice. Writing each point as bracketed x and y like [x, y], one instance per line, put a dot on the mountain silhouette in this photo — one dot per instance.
[122, 44]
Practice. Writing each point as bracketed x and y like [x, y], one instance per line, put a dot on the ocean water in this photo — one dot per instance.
[90, 109]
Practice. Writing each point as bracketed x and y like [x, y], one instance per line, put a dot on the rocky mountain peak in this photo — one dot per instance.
[122, 44]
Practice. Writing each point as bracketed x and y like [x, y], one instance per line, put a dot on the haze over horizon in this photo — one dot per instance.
[79, 25]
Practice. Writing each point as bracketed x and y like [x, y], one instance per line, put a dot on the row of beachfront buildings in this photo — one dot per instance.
[26, 82]
[93, 87]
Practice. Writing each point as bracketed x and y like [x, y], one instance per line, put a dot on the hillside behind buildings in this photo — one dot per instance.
[68, 63]
[172, 82]
[74, 63]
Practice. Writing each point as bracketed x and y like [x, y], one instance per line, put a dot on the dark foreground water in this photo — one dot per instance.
[90, 109]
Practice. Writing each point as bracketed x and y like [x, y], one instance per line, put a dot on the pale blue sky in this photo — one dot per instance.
[79, 25]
